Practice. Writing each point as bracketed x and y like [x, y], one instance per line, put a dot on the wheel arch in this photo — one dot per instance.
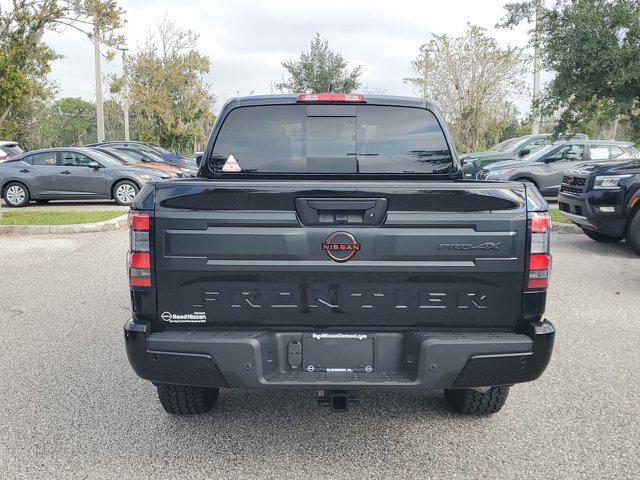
[634, 203]
[117, 181]
[9, 181]
[526, 178]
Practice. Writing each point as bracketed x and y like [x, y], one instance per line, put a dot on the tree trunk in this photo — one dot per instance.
[4, 115]
[614, 128]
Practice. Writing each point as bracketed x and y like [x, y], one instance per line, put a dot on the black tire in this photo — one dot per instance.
[472, 402]
[16, 195]
[186, 400]
[128, 186]
[633, 232]
[42, 202]
[601, 237]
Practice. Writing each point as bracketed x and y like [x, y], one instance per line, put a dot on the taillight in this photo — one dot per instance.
[539, 264]
[139, 258]
[332, 97]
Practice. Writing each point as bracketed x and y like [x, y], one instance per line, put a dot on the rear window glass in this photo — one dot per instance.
[365, 139]
[45, 159]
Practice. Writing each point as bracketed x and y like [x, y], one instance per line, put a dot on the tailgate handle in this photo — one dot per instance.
[339, 211]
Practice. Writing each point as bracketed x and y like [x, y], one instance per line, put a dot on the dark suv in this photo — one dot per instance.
[604, 199]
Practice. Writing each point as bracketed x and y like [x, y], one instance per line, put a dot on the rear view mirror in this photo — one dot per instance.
[525, 151]
[93, 164]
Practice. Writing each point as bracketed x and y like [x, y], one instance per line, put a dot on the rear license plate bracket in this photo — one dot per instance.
[338, 352]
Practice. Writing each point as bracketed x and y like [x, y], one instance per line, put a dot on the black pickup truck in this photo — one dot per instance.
[604, 199]
[330, 243]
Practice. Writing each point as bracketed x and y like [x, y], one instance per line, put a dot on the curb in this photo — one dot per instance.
[113, 224]
[565, 228]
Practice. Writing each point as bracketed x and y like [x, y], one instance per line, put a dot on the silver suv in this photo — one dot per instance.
[546, 167]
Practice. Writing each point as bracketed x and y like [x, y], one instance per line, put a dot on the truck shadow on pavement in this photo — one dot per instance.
[267, 413]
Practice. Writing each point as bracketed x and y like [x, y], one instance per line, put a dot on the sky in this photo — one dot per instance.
[246, 41]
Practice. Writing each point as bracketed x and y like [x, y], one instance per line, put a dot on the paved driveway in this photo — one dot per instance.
[70, 406]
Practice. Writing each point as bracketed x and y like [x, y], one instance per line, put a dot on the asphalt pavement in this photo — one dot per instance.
[70, 406]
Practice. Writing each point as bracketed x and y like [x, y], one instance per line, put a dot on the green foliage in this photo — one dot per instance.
[170, 101]
[516, 13]
[25, 60]
[473, 80]
[557, 216]
[57, 217]
[593, 46]
[73, 119]
[319, 69]
[106, 15]
[113, 120]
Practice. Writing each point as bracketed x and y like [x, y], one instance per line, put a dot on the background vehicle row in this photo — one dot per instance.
[71, 173]
[511, 149]
[145, 152]
[545, 167]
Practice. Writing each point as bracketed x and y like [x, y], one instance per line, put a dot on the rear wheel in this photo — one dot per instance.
[633, 232]
[16, 195]
[187, 400]
[473, 402]
[601, 237]
[124, 192]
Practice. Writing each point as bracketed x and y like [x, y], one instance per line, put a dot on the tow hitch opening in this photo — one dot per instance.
[338, 399]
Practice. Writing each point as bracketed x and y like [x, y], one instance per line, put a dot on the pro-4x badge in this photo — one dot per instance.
[341, 246]
[231, 165]
[470, 246]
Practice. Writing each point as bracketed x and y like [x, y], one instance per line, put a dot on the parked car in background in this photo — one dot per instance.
[68, 174]
[545, 168]
[604, 199]
[188, 169]
[134, 160]
[147, 152]
[142, 146]
[512, 149]
[8, 150]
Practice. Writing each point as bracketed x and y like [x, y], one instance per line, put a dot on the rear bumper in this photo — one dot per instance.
[585, 210]
[403, 360]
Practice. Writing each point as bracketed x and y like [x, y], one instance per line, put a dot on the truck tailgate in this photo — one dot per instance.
[428, 254]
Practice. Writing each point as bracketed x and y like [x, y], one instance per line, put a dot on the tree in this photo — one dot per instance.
[318, 70]
[171, 104]
[25, 60]
[593, 46]
[531, 11]
[472, 79]
[74, 120]
[113, 119]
